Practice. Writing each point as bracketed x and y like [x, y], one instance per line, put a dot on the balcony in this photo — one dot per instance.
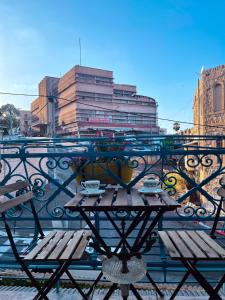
[190, 169]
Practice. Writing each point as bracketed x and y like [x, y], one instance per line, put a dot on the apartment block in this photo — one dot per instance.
[86, 100]
[25, 122]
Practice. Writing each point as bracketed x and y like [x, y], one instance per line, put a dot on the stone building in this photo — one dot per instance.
[209, 119]
[209, 102]
[86, 100]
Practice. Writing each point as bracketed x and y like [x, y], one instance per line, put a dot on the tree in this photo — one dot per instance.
[9, 117]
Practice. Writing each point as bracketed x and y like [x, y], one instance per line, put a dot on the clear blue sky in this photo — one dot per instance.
[158, 45]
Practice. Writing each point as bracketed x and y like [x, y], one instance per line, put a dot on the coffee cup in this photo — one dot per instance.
[151, 183]
[91, 185]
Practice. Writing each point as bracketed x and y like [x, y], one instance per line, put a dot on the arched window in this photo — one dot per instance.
[217, 97]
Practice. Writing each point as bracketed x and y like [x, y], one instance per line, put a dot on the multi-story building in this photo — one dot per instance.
[86, 99]
[25, 122]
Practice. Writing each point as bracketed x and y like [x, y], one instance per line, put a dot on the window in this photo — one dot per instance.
[217, 97]
[93, 79]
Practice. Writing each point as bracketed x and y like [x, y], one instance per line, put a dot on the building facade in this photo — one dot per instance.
[85, 100]
[209, 119]
[209, 102]
[25, 122]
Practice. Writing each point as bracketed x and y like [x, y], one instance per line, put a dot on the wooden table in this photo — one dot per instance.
[125, 205]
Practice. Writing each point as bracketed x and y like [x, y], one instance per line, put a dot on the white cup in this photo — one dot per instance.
[91, 185]
[151, 183]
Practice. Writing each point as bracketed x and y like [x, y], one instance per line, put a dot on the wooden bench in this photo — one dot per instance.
[59, 248]
[192, 246]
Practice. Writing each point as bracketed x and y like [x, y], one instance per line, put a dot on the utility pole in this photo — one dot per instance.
[10, 122]
[51, 116]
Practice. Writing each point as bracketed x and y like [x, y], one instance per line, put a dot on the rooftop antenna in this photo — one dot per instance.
[80, 50]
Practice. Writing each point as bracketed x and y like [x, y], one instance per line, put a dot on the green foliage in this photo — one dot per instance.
[168, 143]
[9, 116]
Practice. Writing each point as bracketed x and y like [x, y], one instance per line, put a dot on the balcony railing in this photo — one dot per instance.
[190, 169]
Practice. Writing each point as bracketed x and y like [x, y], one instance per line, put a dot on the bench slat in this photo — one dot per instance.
[12, 187]
[81, 247]
[46, 251]
[40, 246]
[10, 203]
[198, 253]
[181, 247]
[169, 245]
[210, 253]
[216, 247]
[72, 245]
[61, 245]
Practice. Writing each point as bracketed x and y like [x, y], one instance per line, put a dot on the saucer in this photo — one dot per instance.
[150, 191]
[95, 192]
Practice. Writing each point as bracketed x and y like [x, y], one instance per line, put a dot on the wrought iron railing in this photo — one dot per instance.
[190, 169]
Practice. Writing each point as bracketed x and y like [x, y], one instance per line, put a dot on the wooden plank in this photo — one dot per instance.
[9, 188]
[89, 201]
[82, 245]
[180, 245]
[72, 245]
[212, 243]
[167, 200]
[153, 201]
[74, 201]
[197, 252]
[46, 251]
[61, 245]
[107, 198]
[40, 246]
[10, 203]
[121, 198]
[202, 244]
[172, 250]
[136, 198]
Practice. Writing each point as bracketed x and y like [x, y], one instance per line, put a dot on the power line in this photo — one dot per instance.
[42, 108]
[112, 110]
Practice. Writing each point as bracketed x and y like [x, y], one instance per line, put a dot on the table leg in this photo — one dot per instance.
[201, 280]
[94, 284]
[219, 285]
[154, 284]
[180, 284]
[139, 245]
[135, 292]
[132, 226]
[95, 232]
[110, 291]
[118, 231]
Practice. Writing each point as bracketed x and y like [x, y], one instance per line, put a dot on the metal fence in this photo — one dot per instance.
[190, 169]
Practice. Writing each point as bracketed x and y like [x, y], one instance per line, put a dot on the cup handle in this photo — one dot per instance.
[83, 184]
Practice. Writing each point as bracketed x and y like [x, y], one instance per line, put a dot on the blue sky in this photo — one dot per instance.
[159, 45]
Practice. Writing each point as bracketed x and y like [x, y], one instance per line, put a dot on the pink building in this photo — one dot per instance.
[86, 99]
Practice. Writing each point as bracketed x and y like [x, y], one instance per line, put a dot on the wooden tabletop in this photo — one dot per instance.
[117, 199]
